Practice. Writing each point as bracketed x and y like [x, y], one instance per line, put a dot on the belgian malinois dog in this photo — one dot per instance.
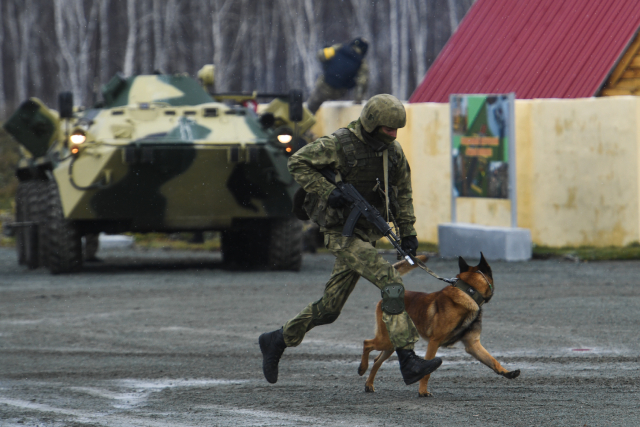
[443, 318]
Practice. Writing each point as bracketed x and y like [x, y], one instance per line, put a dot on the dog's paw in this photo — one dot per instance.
[369, 389]
[426, 394]
[361, 370]
[511, 375]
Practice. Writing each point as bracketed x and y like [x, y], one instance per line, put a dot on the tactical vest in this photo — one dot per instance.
[341, 70]
[361, 167]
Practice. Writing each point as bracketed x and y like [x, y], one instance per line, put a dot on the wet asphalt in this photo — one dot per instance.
[169, 338]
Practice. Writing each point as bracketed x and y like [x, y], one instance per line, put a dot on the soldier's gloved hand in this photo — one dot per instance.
[337, 200]
[409, 244]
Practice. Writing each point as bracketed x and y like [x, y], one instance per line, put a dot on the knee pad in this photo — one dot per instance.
[393, 299]
[320, 316]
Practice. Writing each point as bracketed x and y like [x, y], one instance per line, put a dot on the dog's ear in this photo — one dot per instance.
[463, 265]
[484, 266]
[404, 267]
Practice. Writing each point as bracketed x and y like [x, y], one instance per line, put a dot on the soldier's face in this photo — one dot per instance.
[389, 131]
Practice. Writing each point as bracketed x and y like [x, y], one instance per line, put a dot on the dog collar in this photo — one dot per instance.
[469, 290]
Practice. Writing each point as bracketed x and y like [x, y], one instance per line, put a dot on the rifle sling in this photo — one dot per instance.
[385, 166]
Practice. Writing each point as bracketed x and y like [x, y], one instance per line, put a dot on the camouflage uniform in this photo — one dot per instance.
[323, 91]
[356, 256]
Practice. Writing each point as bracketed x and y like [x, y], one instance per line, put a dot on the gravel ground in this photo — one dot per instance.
[161, 338]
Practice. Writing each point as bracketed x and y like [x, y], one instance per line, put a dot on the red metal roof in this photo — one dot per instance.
[535, 48]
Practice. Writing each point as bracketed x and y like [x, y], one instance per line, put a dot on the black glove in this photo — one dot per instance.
[409, 244]
[337, 200]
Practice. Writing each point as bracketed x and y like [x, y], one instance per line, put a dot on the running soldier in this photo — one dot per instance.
[366, 155]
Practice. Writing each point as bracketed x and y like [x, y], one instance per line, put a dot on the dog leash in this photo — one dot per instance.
[428, 270]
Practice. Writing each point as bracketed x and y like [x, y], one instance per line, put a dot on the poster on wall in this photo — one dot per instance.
[482, 127]
[483, 148]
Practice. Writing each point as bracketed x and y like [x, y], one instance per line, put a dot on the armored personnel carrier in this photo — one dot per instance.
[158, 154]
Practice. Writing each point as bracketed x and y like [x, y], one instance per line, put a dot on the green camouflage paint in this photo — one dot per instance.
[31, 127]
[137, 197]
[193, 93]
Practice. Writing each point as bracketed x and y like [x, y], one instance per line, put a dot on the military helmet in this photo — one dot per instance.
[383, 110]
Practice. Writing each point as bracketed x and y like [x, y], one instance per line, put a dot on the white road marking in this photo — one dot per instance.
[142, 389]
[252, 417]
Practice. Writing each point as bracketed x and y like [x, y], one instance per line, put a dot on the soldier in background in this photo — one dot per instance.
[344, 68]
[360, 152]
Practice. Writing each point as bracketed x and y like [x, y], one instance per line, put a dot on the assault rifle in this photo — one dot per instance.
[360, 207]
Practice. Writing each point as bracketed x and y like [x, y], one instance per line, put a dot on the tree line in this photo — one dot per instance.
[48, 46]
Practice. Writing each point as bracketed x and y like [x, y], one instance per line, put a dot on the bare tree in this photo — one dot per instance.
[364, 19]
[453, 15]
[256, 58]
[382, 49]
[131, 38]
[144, 64]
[403, 84]
[248, 53]
[104, 41]
[86, 28]
[20, 22]
[271, 42]
[395, 47]
[219, 12]
[292, 68]
[203, 47]
[170, 22]
[255, 45]
[182, 54]
[304, 38]
[160, 58]
[418, 14]
[240, 43]
[3, 98]
[67, 72]
[35, 76]
[74, 33]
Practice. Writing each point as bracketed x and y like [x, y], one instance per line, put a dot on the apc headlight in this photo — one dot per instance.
[77, 138]
[285, 139]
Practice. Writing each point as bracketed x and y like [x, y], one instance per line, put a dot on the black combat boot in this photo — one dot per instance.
[414, 367]
[272, 346]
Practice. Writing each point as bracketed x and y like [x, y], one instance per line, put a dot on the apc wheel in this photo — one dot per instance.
[64, 240]
[241, 248]
[285, 245]
[274, 244]
[29, 234]
[21, 215]
[91, 246]
[38, 206]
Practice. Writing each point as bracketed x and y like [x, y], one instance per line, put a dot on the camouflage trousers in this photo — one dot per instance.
[323, 92]
[355, 258]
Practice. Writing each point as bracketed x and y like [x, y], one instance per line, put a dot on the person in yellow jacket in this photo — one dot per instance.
[344, 68]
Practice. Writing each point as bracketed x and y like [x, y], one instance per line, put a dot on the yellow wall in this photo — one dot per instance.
[334, 115]
[584, 171]
[577, 169]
